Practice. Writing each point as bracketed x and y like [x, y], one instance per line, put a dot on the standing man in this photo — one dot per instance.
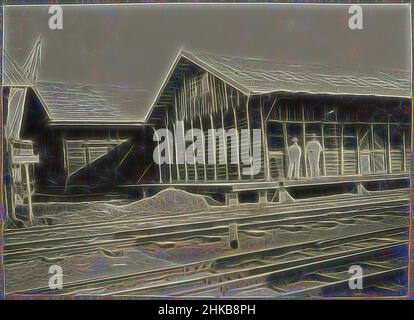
[294, 154]
[313, 152]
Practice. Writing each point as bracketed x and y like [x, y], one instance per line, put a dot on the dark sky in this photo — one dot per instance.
[135, 44]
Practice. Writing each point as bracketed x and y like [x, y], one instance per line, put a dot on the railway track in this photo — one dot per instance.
[387, 271]
[230, 272]
[242, 280]
[330, 289]
[241, 209]
[16, 252]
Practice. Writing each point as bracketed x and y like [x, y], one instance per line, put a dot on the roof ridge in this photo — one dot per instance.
[320, 66]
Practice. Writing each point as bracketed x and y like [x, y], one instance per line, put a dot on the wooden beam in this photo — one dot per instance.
[159, 155]
[304, 140]
[286, 143]
[342, 151]
[213, 136]
[177, 166]
[194, 158]
[372, 148]
[358, 151]
[249, 131]
[29, 192]
[12, 204]
[389, 146]
[404, 152]
[337, 122]
[263, 125]
[185, 157]
[237, 142]
[323, 149]
[167, 122]
[224, 143]
[204, 147]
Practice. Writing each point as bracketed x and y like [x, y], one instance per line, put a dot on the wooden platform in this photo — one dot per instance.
[320, 181]
[236, 186]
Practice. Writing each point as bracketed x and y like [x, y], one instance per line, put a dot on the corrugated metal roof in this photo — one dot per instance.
[253, 76]
[77, 103]
[258, 76]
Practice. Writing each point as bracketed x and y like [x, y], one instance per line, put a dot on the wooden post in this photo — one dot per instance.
[213, 136]
[167, 124]
[284, 196]
[176, 154]
[224, 144]
[404, 152]
[285, 136]
[185, 158]
[263, 194]
[177, 166]
[304, 139]
[12, 204]
[65, 158]
[194, 159]
[231, 199]
[237, 142]
[29, 192]
[372, 149]
[358, 151]
[342, 151]
[159, 155]
[389, 146]
[323, 149]
[249, 131]
[233, 236]
[264, 140]
[237, 130]
[204, 147]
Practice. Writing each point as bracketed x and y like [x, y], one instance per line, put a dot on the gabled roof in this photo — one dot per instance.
[71, 103]
[258, 76]
[74, 103]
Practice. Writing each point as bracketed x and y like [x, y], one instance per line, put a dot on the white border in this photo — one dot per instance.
[207, 3]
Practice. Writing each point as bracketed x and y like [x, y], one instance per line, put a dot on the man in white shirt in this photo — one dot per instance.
[294, 154]
[313, 152]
